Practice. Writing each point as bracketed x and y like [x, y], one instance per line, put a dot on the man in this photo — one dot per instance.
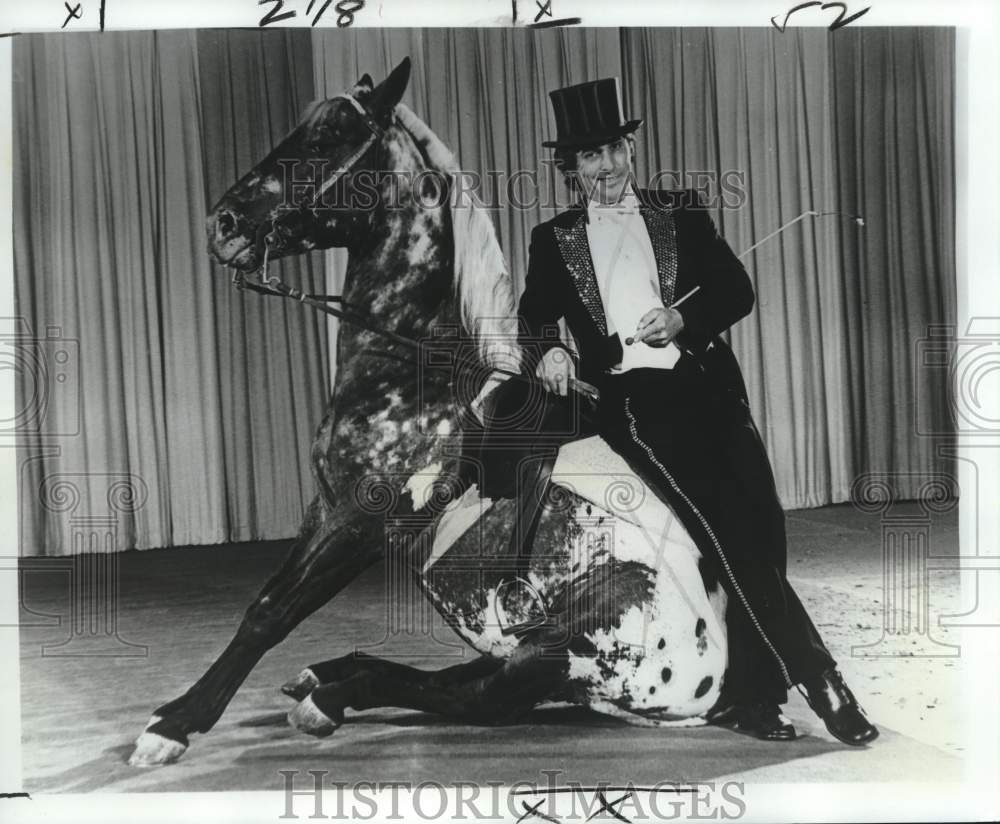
[646, 286]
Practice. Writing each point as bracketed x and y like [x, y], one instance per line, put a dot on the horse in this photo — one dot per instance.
[610, 610]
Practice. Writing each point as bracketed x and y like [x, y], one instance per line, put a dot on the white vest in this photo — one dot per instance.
[625, 268]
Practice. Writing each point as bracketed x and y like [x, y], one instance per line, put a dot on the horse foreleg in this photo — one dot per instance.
[485, 691]
[323, 560]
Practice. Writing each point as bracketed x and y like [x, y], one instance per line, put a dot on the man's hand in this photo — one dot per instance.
[555, 370]
[658, 327]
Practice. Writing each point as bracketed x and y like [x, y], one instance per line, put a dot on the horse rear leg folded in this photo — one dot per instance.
[347, 666]
[485, 691]
[329, 553]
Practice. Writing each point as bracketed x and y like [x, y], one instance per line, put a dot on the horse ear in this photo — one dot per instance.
[366, 81]
[389, 92]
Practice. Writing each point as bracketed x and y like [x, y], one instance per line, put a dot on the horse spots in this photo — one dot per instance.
[652, 690]
[699, 632]
[666, 674]
[704, 686]
[420, 485]
[662, 643]
[420, 248]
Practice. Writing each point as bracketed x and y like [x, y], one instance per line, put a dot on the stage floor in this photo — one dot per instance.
[80, 714]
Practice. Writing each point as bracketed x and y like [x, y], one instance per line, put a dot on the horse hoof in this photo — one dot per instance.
[309, 718]
[301, 685]
[153, 750]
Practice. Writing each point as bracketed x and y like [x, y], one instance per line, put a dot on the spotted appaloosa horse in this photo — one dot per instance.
[612, 612]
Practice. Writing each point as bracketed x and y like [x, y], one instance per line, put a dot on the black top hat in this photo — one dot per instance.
[589, 114]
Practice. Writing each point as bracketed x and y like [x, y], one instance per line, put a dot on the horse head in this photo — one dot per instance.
[314, 189]
[362, 171]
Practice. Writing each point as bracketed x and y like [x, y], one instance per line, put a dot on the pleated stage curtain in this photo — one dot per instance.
[122, 143]
[184, 412]
[857, 121]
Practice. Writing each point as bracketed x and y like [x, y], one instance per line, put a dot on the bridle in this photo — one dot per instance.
[271, 285]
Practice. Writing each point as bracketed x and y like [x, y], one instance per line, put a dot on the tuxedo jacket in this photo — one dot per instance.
[689, 252]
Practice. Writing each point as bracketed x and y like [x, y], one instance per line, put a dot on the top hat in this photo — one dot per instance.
[589, 114]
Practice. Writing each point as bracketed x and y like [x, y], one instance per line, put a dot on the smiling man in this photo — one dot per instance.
[646, 286]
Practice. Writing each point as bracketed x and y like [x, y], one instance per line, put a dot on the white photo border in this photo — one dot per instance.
[977, 164]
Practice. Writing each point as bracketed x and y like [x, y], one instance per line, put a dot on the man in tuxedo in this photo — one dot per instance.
[646, 285]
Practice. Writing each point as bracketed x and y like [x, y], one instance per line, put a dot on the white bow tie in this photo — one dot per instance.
[628, 205]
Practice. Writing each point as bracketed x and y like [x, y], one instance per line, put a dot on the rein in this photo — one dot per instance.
[271, 285]
[275, 287]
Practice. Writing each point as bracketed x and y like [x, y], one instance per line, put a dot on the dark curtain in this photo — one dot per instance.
[201, 399]
[858, 121]
[124, 140]
[893, 121]
[803, 117]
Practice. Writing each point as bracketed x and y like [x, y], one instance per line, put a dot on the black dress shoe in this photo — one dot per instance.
[836, 705]
[763, 719]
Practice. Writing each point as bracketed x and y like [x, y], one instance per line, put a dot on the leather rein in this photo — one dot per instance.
[271, 285]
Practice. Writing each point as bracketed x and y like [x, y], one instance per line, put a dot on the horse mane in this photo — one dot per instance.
[482, 281]
[311, 112]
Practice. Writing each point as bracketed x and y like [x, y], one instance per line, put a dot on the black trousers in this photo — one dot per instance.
[693, 440]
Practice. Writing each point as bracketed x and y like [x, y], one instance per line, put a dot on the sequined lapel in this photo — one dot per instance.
[660, 225]
[575, 252]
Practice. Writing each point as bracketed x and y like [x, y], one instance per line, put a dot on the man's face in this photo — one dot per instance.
[604, 170]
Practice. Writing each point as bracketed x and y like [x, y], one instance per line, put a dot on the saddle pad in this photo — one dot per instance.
[590, 468]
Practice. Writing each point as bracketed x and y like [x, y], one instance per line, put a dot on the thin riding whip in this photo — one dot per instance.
[269, 285]
[860, 221]
[856, 218]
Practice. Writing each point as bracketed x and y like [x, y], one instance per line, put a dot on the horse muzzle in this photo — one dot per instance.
[228, 240]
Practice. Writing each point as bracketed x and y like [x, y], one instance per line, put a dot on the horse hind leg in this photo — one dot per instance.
[327, 556]
[347, 666]
[484, 691]
[327, 672]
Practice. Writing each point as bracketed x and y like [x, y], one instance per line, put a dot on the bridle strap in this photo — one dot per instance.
[266, 284]
[366, 116]
[271, 285]
[376, 132]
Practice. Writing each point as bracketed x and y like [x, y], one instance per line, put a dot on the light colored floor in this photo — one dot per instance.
[80, 714]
